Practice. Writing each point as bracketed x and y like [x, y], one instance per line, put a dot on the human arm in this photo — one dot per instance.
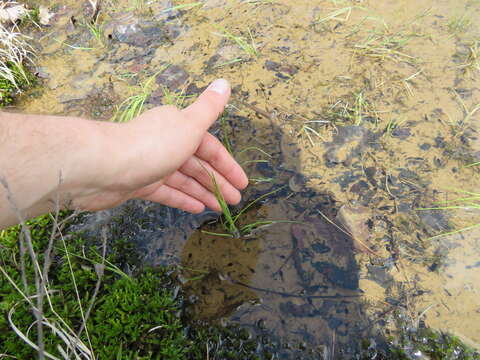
[160, 156]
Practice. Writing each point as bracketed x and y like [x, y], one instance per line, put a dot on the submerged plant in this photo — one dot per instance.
[230, 221]
[132, 106]
[467, 201]
[96, 29]
[247, 45]
[459, 24]
[172, 98]
[472, 59]
[340, 15]
[383, 45]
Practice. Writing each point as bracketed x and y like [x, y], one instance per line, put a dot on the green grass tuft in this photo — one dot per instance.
[247, 45]
[132, 106]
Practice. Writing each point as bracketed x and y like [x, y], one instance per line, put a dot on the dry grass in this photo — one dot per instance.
[73, 346]
[15, 51]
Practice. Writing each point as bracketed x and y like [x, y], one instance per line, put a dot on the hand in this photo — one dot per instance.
[164, 155]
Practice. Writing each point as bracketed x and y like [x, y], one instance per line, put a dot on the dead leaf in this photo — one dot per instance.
[12, 14]
[44, 15]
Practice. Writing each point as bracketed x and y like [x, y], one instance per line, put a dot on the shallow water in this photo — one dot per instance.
[367, 110]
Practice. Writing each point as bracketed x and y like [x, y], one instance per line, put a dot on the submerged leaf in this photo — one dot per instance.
[12, 14]
[44, 15]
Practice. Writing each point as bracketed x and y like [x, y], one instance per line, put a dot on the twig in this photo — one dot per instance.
[100, 272]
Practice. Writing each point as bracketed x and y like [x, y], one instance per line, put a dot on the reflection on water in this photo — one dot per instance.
[366, 111]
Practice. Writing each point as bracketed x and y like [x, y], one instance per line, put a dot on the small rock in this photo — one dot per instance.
[346, 279]
[225, 54]
[347, 144]
[440, 143]
[320, 248]
[173, 77]
[139, 33]
[291, 309]
[380, 275]
[434, 221]
[297, 183]
[359, 188]
[401, 133]
[354, 219]
[42, 73]
[266, 169]
[425, 146]
[474, 143]
[282, 71]
[371, 172]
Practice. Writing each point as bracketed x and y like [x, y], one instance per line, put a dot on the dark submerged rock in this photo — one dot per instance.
[173, 77]
[348, 144]
[139, 33]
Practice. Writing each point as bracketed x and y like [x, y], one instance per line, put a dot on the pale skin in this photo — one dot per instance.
[164, 155]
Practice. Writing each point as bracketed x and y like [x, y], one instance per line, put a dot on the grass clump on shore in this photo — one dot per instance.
[15, 52]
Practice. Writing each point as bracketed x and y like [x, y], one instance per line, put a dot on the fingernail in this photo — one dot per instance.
[220, 86]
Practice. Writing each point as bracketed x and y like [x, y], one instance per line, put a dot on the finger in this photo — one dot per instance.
[209, 105]
[201, 172]
[191, 187]
[169, 196]
[212, 151]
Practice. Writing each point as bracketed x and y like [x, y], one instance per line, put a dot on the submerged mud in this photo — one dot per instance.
[365, 112]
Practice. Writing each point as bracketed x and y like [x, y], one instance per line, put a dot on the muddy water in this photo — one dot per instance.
[367, 110]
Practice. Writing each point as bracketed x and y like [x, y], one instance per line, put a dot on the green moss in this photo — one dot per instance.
[133, 317]
[435, 345]
[124, 312]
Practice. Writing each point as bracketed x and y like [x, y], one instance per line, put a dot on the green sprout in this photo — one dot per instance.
[132, 106]
[248, 46]
[229, 220]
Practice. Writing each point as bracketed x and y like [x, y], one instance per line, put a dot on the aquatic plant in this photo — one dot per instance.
[425, 342]
[172, 98]
[469, 200]
[341, 15]
[383, 45]
[471, 61]
[117, 322]
[96, 29]
[132, 106]
[229, 220]
[248, 46]
[459, 24]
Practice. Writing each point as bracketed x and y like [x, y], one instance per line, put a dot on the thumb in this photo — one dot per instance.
[209, 105]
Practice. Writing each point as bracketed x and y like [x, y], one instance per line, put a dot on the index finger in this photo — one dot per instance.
[212, 151]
